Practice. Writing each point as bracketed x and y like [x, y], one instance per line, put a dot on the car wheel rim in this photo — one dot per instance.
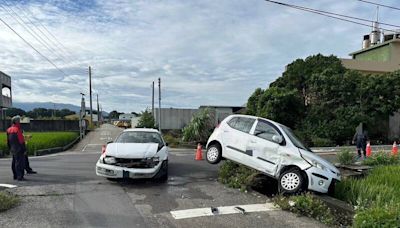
[212, 154]
[290, 181]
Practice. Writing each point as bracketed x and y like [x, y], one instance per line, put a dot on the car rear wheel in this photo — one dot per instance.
[291, 181]
[214, 154]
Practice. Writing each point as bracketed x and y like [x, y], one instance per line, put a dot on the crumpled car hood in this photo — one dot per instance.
[132, 150]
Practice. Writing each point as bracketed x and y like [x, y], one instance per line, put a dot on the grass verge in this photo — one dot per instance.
[376, 198]
[7, 201]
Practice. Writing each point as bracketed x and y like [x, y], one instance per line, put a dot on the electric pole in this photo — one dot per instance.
[98, 111]
[152, 100]
[82, 116]
[159, 104]
[90, 94]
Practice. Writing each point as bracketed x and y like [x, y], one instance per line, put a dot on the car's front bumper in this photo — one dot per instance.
[321, 181]
[112, 171]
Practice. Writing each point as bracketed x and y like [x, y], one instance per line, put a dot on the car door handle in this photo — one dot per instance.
[253, 141]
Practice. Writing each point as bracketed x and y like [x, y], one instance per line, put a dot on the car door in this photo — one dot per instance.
[236, 136]
[265, 145]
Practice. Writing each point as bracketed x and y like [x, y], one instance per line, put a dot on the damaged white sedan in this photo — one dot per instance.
[135, 153]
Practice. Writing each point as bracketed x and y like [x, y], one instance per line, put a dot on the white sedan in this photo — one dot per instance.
[135, 153]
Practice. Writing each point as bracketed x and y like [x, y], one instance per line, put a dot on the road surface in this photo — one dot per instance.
[67, 193]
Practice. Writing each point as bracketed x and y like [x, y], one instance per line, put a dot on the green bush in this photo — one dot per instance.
[345, 157]
[306, 205]
[199, 128]
[381, 158]
[322, 142]
[236, 176]
[43, 140]
[171, 140]
[7, 201]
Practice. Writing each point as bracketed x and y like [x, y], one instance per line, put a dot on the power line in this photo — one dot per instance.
[346, 16]
[33, 33]
[26, 16]
[27, 13]
[324, 14]
[378, 4]
[30, 45]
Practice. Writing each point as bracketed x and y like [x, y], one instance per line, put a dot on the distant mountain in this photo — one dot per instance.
[29, 106]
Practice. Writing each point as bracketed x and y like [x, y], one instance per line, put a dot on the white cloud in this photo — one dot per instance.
[206, 52]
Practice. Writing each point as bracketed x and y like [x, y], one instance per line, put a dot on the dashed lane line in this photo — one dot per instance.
[8, 185]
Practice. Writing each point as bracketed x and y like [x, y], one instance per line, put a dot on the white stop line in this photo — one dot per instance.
[8, 185]
[207, 211]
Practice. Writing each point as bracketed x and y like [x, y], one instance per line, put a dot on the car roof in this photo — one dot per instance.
[142, 130]
[254, 117]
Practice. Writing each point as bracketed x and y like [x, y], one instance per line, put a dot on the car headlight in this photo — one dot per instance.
[156, 159]
[110, 160]
[315, 163]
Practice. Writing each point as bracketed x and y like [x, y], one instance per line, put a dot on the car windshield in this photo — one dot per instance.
[139, 137]
[296, 141]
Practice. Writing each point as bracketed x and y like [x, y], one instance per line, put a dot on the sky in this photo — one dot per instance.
[206, 52]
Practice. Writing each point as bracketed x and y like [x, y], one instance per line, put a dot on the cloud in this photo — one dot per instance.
[205, 52]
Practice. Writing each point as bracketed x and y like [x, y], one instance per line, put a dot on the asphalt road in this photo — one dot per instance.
[67, 193]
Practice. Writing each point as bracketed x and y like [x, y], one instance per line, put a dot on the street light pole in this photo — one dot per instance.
[90, 94]
[159, 104]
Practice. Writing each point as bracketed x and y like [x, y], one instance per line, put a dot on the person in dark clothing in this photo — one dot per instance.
[16, 145]
[28, 168]
[360, 138]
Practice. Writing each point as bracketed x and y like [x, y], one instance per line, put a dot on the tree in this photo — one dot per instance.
[199, 128]
[114, 114]
[14, 111]
[146, 120]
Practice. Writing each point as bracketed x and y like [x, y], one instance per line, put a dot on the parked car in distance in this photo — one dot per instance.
[135, 153]
[272, 149]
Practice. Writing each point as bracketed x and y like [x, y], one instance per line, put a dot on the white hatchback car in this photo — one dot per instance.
[135, 153]
[273, 149]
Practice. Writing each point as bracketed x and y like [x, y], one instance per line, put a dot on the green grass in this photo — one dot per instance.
[235, 175]
[7, 201]
[382, 158]
[42, 140]
[376, 197]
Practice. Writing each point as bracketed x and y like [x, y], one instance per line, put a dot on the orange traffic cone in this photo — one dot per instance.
[394, 149]
[369, 150]
[199, 153]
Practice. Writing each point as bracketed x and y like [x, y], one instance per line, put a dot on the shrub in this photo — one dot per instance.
[381, 158]
[171, 140]
[345, 157]
[199, 128]
[306, 205]
[146, 120]
[236, 176]
[7, 201]
[322, 142]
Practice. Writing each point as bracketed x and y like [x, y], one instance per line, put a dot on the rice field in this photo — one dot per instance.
[42, 140]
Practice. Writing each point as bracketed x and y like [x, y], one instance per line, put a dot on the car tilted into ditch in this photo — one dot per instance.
[135, 153]
[274, 150]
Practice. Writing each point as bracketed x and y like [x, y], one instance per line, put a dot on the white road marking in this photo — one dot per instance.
[84, 148]
[8, 185]
[200, 212]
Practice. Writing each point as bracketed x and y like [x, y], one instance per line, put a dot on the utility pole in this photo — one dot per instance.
[159, 104]
[90, 94]
[81, 117]
[152, 101]
[98, 111]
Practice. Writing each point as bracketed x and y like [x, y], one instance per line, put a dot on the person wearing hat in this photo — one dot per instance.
[16, 145]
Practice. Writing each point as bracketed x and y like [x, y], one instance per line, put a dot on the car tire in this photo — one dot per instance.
[162, 174]
[214, 154]
[291, 181]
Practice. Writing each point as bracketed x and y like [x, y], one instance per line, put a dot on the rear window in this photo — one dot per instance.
[241, 124]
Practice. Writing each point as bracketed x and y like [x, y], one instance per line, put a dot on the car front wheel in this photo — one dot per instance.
[291, 181]
[214, 154]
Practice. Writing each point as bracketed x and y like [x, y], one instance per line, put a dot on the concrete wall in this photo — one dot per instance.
[174, 118]
[45, 125]
[394, 126]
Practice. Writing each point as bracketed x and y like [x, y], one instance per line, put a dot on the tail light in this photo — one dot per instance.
[103, 149]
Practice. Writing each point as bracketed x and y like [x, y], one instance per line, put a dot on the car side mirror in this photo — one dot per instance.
[166, 144]
[277, 138]
[109, 142]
